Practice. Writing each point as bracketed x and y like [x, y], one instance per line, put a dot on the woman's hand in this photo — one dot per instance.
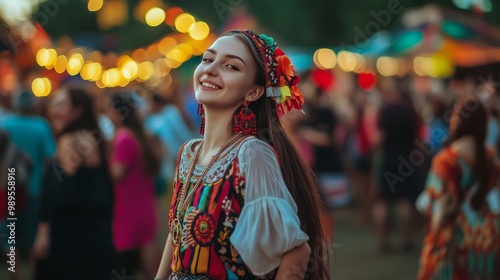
[118, 171]
[447, 205]
[294, 263]
[164, 270]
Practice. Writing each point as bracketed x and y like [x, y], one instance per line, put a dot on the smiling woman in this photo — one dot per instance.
[245, 205]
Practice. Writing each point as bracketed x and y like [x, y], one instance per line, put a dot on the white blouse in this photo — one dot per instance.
[268, 225]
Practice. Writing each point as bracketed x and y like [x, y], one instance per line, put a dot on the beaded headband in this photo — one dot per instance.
[281, 80]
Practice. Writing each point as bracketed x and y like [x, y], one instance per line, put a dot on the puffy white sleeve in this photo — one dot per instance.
[268, 225]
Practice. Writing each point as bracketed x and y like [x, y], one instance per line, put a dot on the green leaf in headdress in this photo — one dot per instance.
[269, 40]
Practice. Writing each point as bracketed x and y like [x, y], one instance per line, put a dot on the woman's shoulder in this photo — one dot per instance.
[253, 149]
[254, 144]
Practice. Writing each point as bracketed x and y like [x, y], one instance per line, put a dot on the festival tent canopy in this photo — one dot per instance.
[465, 39]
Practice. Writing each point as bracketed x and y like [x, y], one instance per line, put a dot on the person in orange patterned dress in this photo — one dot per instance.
[462, 203]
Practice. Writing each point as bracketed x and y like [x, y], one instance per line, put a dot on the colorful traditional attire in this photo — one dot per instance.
[468, 244]
[242, 218]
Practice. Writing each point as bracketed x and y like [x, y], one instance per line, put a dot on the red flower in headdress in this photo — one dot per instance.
[286, 67]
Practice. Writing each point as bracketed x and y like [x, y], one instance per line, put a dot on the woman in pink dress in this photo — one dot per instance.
[133, 169]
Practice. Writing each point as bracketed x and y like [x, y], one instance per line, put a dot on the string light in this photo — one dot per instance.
[75, 64]
[325, 59]
[387, 66]
[199, 30]
[155, 16]
[95, 5]
[60, 64]
[347, 61]
[184, 22]
[142, 64]
[41, 87]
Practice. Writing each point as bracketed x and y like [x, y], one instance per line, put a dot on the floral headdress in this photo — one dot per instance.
[281, 80]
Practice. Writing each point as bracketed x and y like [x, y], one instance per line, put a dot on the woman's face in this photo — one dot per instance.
[225, 75]
[62, 112]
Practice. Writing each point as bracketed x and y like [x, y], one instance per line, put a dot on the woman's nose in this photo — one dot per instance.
[211, 69]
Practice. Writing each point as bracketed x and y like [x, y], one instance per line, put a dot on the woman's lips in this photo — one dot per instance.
[209, 86]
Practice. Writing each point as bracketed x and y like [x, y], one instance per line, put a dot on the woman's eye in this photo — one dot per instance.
[207, 59]
[230, 66]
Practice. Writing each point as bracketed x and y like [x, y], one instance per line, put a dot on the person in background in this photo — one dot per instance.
[74, 238]
[397, 130]
[5, 111]
[437, 125]
[32, 135]
[487, 96]
[461, 203]
[14, 180]
[360, 147]
[169, 121]
[134, 166]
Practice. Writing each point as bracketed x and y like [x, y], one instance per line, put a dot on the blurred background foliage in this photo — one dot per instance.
[319, 22]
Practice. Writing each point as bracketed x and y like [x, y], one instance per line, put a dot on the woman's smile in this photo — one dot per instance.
[209, 86]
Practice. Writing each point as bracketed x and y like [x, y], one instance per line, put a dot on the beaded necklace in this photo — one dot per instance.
[184, 199]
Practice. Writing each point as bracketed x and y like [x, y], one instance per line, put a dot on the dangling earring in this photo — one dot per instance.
[245, 121]
[201, 113]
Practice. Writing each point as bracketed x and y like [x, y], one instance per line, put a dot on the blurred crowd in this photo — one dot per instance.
[94, 167]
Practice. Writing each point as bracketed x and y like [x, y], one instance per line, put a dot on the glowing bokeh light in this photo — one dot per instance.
[421, 65]
[184, 22]
[346, 61]
[160, 68]
[61, 64]
[139, 55]
[111, 77]
[325, 59]
[91, 71]
[42, 57]
[155, 16]
[172, 63]
[360, 63]
[186, 49]
[95, 5]
[387, 66]
[172, 14]
[130, 69]
[199, 30]
[145, 71]
[166, 44]
[75, 64]
[41, 87]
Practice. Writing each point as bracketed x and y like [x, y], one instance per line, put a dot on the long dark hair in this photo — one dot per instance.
[298, 177]
[473, 119]
[124, 104]
[80, 98]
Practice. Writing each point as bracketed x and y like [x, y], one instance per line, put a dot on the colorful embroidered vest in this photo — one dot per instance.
[205, 251]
